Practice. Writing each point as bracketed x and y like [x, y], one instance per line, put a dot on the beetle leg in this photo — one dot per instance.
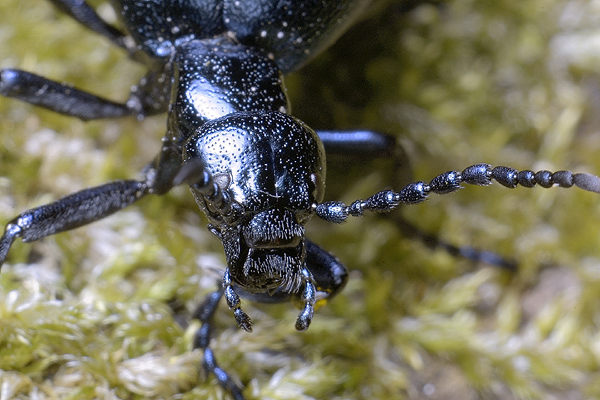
[233, 301]
[149, 97]
[205, 313]
[71, 211]
[58, 97]
[357, 143]
[328, 273]
[467, 252]
[81, 12]
[82, 208]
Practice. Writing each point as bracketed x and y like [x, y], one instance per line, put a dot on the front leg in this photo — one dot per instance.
[149, 97]
[87, 206]
[71, 211]
[58, 97]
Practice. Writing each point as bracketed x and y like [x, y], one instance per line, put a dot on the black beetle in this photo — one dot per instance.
[282, 217]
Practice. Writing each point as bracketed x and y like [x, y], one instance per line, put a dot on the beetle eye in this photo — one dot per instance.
[222, 180]
[317, 188]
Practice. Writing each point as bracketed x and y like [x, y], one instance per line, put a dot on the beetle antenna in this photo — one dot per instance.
[478, 174]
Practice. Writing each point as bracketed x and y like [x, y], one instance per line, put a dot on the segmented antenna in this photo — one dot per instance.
[478, 174]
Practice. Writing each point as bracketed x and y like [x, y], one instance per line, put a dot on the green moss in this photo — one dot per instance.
[84, 314]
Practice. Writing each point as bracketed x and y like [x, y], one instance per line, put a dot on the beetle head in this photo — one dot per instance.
[267, 173]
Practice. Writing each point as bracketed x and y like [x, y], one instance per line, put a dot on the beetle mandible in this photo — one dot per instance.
[289, 239]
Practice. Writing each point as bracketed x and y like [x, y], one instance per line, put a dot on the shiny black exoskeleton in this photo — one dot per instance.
[257, 172]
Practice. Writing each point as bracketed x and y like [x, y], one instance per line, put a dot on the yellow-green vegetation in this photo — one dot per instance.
[89, 314]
